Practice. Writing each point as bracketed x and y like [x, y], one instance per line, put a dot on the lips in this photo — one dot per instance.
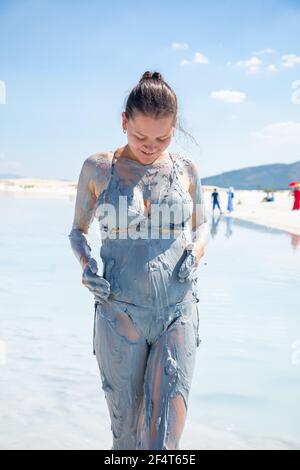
[146, 153]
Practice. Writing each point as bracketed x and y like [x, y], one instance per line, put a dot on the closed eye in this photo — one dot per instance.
[143, 138]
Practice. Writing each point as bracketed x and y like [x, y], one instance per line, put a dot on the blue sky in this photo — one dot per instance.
[67, 66]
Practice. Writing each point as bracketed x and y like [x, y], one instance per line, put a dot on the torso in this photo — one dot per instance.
[142, 271]
[162, 184]
[103, 164]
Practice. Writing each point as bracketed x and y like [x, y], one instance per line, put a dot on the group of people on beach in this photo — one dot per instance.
[215, 198]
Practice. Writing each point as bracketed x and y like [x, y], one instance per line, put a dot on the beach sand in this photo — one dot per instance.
[39, 186]
[248, 204]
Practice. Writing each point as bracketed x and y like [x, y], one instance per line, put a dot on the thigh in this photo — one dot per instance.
[122, 357]
[168, 378]
[120, 350]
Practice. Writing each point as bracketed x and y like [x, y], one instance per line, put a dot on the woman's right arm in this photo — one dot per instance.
[84, 213]
[85, 205]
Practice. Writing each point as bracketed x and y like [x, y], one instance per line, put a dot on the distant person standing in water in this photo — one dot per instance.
[215, 200]
[296, 205]
[230, 196]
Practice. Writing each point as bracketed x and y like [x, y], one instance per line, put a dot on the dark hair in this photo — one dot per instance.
[153, 97]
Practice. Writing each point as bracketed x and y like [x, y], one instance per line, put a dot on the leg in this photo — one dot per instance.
[168, 378]
[122, 356]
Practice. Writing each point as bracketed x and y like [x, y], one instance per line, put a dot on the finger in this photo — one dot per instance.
[183, 274]
[184, 268]
[101, 297]
[95, 288]
[102, 282]
[96, 282]
[187, 271]
[101, 294]
[102, 287]
[191, 260]
[98, 299]
[89, 283]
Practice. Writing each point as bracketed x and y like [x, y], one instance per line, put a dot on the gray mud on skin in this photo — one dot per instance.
[146, 330]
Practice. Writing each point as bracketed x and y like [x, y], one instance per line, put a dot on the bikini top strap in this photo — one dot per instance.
[114, 159]
[173, 173]
[111, 177]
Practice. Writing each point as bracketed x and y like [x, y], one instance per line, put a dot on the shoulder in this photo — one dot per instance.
[99, 160]
[97, 168]
[187, 165]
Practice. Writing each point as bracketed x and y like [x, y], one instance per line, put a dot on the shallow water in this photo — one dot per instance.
[248, 372]
[246, 385]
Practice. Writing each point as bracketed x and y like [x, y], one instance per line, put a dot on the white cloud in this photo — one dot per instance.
[200, 58]
[180, 46]
[290, 60]
[185, 62]
[281, 133]
[228, 96]
[295, 98]
[272, 68]
[267, 50]
[251, 65]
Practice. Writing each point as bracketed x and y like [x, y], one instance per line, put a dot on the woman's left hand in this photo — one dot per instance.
[188, 269]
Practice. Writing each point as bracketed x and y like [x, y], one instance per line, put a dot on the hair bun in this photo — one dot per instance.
[152, 76]
[157, 76]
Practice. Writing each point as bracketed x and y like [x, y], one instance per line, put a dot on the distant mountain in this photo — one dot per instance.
[274, 176]
[9, 176]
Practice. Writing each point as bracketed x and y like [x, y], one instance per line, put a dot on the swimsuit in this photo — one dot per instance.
[148, 309]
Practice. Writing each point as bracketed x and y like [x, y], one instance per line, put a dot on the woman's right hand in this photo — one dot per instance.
[99, 286]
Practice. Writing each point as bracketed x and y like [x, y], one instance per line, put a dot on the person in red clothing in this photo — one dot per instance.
[296, 205]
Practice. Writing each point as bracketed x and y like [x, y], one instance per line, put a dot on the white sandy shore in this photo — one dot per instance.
[38, 186]
[248, 204]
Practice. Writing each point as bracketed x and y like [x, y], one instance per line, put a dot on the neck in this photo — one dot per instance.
[126, 152]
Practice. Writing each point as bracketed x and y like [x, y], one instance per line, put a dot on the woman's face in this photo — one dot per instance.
[148, 137]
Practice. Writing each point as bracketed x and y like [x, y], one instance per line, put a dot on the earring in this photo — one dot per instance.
[124, 130]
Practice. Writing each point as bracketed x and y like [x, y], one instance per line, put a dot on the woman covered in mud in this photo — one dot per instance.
[150, 206]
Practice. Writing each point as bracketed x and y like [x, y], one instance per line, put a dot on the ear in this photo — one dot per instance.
[124, 120]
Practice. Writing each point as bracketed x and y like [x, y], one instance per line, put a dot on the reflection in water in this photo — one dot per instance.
[214, 224]
[246, 381]
[229, 225]
[230, 221]
[295, 240]
[249, 291]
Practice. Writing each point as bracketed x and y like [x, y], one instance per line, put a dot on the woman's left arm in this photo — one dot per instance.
[200, 228]
[199, 223]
